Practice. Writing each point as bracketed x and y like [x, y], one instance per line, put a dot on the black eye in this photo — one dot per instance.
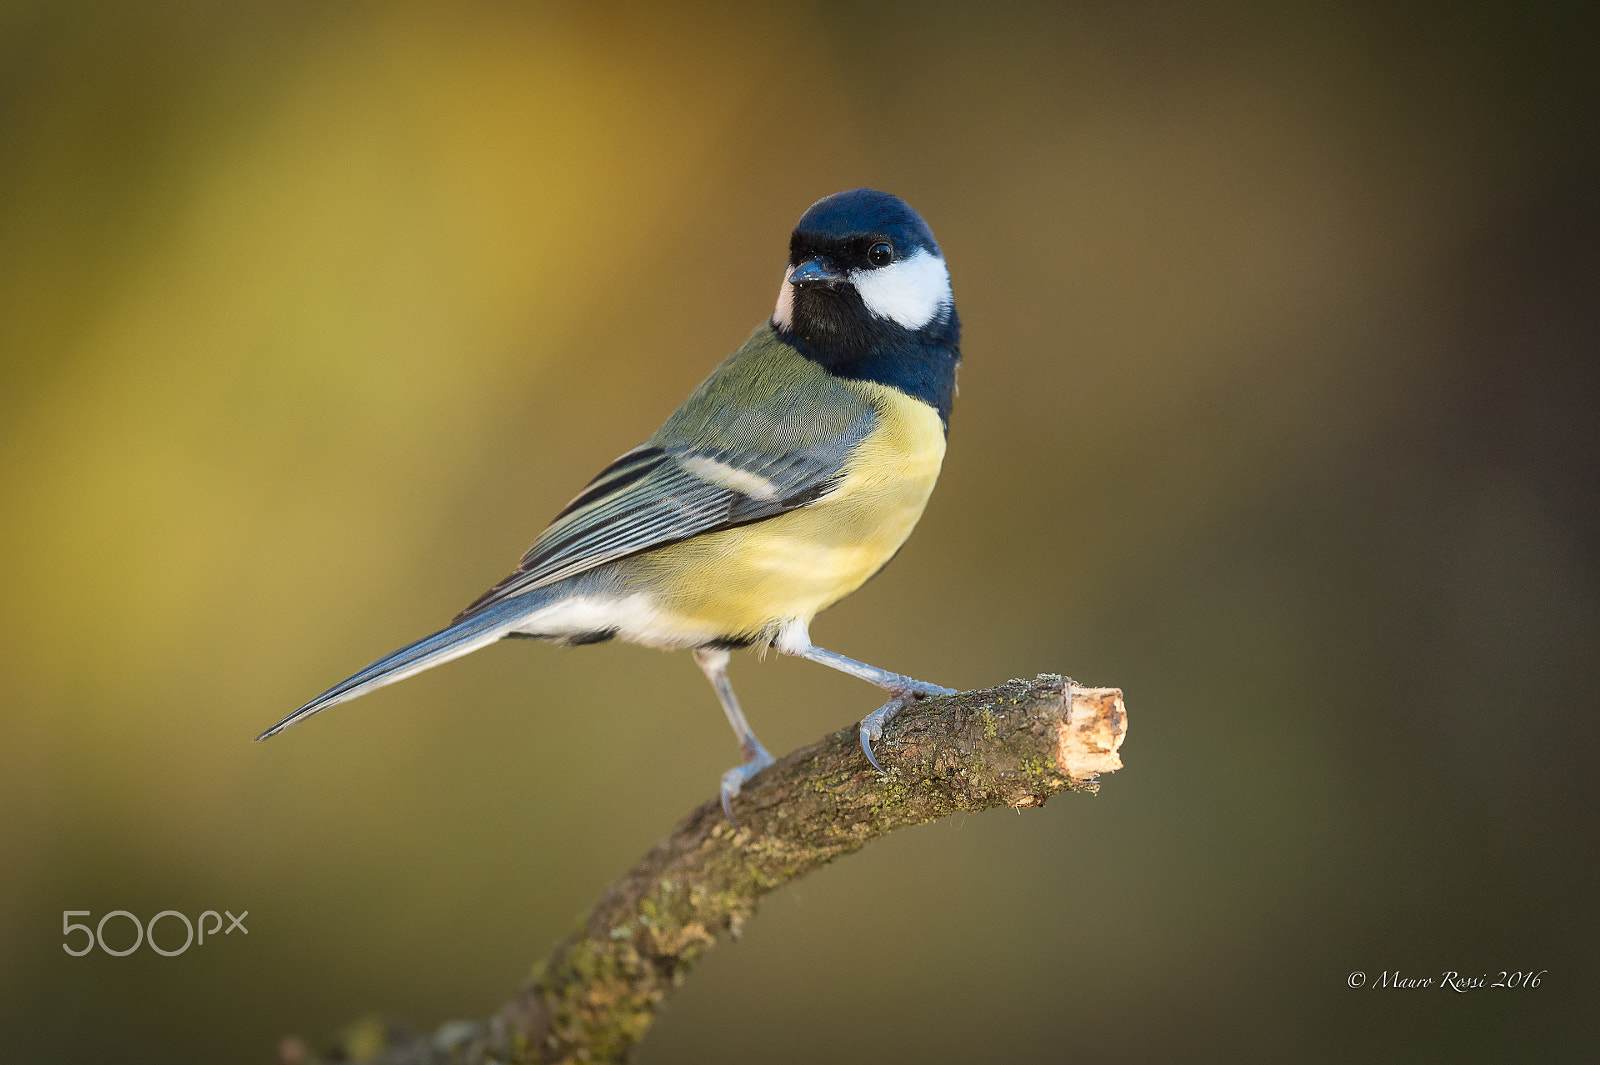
[881, 254]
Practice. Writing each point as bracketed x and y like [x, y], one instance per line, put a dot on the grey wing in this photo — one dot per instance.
[654, 496]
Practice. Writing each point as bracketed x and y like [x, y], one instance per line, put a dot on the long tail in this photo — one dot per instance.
[462, 638]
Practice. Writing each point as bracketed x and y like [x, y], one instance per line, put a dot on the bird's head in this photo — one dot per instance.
[864, 273]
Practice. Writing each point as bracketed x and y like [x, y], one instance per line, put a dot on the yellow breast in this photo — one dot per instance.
[749, 580]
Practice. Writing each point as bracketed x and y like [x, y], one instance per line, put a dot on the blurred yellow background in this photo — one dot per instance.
[1278, 411]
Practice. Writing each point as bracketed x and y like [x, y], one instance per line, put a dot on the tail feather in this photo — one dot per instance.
[459, 639]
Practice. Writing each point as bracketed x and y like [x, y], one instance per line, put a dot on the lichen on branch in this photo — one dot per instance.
[597, 994]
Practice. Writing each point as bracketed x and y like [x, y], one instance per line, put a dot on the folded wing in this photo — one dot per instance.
[653, 496]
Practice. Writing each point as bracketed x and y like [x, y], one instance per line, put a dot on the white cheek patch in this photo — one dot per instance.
[784, 314]
[911, 292]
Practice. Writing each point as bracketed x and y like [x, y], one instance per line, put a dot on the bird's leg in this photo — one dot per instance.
[795, 640]
[890, 682]
[714, 663]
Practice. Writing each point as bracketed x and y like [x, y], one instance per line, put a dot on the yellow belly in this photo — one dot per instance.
[749, 580]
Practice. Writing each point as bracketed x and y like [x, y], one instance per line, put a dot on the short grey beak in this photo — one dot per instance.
[816, 271]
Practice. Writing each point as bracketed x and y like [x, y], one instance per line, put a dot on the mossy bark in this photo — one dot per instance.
[597, 994]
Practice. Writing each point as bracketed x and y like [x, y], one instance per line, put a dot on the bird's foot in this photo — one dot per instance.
[872, 725]
[734, 779]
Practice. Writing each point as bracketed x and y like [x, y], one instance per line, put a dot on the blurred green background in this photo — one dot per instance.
[1279, 412]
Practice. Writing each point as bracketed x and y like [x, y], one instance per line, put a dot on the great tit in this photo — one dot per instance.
[787, 479]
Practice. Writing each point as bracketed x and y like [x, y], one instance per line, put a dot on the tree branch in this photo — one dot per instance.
[597, 994]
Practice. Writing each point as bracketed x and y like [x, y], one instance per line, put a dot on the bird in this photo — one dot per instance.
[785, 481]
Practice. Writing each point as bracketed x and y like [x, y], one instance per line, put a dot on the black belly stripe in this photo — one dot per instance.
[729, 643]
[599, 636]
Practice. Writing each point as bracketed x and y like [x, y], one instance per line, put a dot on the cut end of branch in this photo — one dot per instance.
[1095, 725]
[599, 991]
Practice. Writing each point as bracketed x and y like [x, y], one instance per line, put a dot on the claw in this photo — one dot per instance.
[868, 735]
[733, 780]
[872, 724]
